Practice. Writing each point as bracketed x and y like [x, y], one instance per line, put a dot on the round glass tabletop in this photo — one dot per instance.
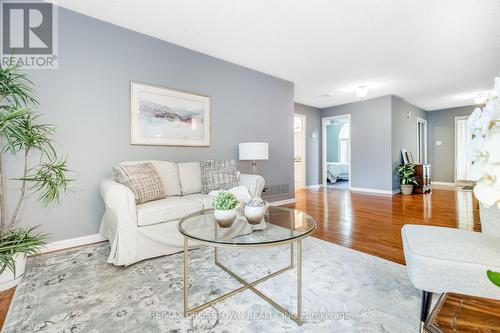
[281, 225]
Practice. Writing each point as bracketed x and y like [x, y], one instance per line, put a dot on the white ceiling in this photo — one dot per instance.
[434, 54]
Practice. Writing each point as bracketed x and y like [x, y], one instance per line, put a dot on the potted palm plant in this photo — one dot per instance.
[407, 177]
[21, 132]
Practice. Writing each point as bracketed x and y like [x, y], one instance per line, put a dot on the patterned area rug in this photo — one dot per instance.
[343, 291]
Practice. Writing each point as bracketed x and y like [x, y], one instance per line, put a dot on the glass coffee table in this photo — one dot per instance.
[283, 226]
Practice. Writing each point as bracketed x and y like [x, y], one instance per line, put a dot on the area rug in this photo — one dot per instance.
[343, 291]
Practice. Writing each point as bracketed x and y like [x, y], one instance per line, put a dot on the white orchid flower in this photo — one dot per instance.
[486, 172]
[480, 169]
[492, 145]
[474, 121]
[479, 121]
[495, 93]
[484, 149]
[475, 149]
[487, 194]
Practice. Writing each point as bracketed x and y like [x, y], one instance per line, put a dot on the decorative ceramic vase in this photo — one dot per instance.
[7, 278]
[225, 218]
[490, 220]
[406, 189]
[254, 215]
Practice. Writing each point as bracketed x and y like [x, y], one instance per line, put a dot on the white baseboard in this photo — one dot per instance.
[314, 187]
[73, 242]
[372, 190]
[443, 183]
[282, 202]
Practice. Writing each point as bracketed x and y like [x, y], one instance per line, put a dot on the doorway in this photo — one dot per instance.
[299, 147]
[463, 137]
[421, 141]
[337, 151]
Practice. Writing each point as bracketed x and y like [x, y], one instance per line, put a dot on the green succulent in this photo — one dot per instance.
[224, 201]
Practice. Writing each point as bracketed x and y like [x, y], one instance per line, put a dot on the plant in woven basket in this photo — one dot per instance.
[407, 174]
[44, 174]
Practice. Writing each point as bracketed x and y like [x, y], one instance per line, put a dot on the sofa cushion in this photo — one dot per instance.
[142, 179]
[204, 199]
[166, 210]
[168, 172]
[190, 177]
[218, 175]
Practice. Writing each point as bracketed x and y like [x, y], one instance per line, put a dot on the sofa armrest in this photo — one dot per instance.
[254, 183]
[120, 203]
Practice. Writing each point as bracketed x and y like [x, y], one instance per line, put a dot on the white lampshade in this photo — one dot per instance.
[252, 151]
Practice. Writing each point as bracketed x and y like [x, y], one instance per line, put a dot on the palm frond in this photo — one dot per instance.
[22, 240]
[48, 180]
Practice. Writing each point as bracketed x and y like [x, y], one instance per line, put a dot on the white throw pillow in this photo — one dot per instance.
[240, 192]
[190, 177]
[168, 172]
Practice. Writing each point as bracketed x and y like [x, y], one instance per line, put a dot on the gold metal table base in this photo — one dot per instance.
[249, 285]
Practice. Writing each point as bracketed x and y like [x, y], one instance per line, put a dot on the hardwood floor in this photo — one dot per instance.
[459, 313]
[371, 223]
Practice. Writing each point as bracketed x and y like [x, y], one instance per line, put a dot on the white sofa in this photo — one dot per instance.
[138, 232]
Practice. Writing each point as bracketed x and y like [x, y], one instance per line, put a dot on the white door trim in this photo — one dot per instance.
[323, 146]
[304, 143]
[457, 118]
[423, 121]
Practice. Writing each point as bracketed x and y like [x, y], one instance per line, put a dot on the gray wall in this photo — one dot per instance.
[441, 127]
[87, 98]
[313, 149]
[404, 132]
[370, 141]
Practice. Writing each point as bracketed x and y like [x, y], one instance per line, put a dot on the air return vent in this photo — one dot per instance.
[275, 190]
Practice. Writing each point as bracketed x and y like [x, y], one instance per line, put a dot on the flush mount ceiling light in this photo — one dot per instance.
[362, 91]
[481, 98]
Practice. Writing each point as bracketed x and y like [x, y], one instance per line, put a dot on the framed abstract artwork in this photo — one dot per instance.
[168, 117]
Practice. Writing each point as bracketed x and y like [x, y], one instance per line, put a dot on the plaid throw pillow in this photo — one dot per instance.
[142, 180]
[218, 175]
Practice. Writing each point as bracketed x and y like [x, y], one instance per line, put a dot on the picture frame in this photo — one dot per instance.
[410, 157]
[404, 154]
[164, 116]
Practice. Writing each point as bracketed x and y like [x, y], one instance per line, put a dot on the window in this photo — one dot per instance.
[344, 144]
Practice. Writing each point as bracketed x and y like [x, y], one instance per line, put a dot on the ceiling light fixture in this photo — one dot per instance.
[362, 91]
[481, 98]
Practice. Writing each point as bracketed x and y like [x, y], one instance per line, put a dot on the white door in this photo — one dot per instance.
[463, 137]
[299, 144]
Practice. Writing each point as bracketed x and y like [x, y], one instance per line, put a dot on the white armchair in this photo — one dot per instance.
[440, 260]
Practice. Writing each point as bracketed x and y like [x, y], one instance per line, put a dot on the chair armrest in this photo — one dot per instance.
[120, 203]
[254, 183]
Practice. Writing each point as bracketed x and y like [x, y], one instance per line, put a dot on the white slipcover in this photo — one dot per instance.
[136, 232]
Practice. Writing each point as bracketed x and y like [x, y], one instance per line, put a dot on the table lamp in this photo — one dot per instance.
[254, 151]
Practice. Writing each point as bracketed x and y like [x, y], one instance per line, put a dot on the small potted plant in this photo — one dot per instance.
[225, 211]
[407, 177]
[255, 210]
